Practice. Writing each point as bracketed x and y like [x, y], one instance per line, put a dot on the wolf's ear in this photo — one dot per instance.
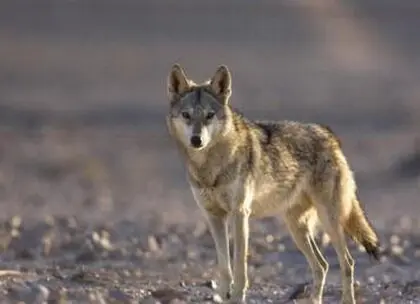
[221, 83]
[177, 82]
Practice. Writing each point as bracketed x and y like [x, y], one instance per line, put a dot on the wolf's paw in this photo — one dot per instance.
[236, 298]
[348, 301]
[307, 301]
[233, 301]
[224, 291]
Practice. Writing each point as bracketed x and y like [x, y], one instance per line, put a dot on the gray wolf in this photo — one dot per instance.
[240, 169]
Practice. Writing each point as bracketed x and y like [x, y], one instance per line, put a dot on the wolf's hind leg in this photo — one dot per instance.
[301, 233]
[332, 226]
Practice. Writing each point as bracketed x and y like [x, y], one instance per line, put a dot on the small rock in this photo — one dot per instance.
[217, 298]
[150, 300]
[30, 293]
[58, 296]
[153, 243]
[166, 295]
[106, 244]
[361, 248]
[5, 239]
[15, 233]
[397, 250]
[325, 240]
[119, 296]
[71, 222]
[126, 273]
[269, 238]
[97, 297]
[300, 291]
[88, 252]
[15, 221]
[47, 243]
[200, 229]
[49, 220]
[138, 273]
[95, 237]
[406, 243]
[193, 254]
[212, 284]
[394, 240]
[177, 301]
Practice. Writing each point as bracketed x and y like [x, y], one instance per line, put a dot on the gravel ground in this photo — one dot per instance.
[65, 260]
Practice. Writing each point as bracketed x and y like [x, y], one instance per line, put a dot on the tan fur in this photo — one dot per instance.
[358, 227]
[240, 169]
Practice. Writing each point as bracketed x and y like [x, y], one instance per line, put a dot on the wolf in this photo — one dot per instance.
[240, 169]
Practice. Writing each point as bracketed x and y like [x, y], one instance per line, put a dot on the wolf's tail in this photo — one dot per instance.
[360, 230]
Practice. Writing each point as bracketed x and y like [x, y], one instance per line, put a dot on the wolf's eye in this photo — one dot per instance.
[186, 115]
[209, 115]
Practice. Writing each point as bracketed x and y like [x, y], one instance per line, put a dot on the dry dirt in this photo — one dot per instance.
[95, 206]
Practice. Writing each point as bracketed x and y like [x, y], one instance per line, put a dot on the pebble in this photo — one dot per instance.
[97, 297]
[16, 221]
[212, 284]
[193, 254]
[30, 293]
[150, 300]
[153, 243]
[177, 301]
[49, 220]
[325, 240]
[217, 298]
[281, 247]
[269, 238]
[397, 250]
[119, 296]
[166, 295]
[361, 248]
[406, 243]
[200, 229]
[299, 291]
[58, 296]
[394, 240]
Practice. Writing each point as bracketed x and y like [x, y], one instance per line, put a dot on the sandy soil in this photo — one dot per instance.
[95, 206]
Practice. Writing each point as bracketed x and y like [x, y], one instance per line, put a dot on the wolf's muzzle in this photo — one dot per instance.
[196, 141]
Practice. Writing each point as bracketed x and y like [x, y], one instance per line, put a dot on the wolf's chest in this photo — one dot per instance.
[266, 200]
[218, 200]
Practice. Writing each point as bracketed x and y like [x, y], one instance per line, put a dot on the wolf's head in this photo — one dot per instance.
[199, 114]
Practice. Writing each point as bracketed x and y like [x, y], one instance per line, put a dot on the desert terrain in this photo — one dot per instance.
[95, 207]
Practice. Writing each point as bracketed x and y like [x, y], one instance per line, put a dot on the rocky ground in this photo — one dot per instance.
[66, 260]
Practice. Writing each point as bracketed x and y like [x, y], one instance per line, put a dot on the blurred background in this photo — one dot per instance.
[83, 95]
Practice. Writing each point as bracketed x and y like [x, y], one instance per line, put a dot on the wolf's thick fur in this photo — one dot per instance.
[240, 168]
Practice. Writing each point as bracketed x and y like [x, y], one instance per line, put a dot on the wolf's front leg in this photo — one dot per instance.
[219, 232]
[241, 235]
[218, 226]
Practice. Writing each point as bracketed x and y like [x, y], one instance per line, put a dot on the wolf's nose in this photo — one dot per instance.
[196, 141]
